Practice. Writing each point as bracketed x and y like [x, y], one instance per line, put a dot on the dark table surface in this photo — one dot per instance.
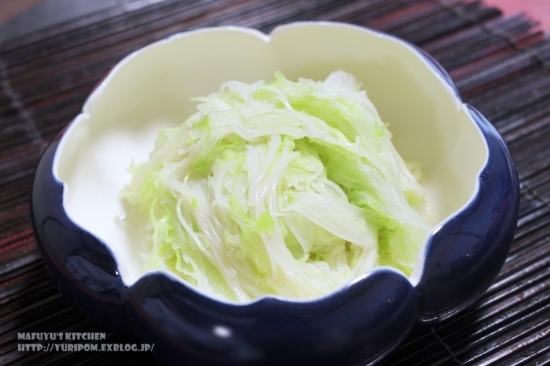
[500, 65]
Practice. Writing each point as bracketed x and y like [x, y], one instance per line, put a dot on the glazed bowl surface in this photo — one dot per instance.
[91, 248]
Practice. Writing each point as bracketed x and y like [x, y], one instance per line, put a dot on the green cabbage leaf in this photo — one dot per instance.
[290, 189]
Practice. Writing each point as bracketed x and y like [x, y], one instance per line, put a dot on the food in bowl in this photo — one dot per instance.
[284, 188]
[89, 242]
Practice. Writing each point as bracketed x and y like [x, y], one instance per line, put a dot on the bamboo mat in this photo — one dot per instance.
[500, 65]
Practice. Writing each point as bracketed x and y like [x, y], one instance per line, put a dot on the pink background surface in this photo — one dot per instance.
[536, 9]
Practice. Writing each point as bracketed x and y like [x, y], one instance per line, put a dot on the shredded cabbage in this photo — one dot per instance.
[290, 189]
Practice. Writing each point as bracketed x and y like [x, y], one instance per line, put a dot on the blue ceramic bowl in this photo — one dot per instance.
[469, 175]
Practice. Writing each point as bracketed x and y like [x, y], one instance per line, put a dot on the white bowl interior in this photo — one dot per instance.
[152, 88]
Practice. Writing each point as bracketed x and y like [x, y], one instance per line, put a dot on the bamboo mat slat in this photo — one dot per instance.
[500, 65]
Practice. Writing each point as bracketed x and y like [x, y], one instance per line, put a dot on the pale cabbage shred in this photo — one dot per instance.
[285, 188]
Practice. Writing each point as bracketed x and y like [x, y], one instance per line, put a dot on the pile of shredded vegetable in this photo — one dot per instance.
[285, 188]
